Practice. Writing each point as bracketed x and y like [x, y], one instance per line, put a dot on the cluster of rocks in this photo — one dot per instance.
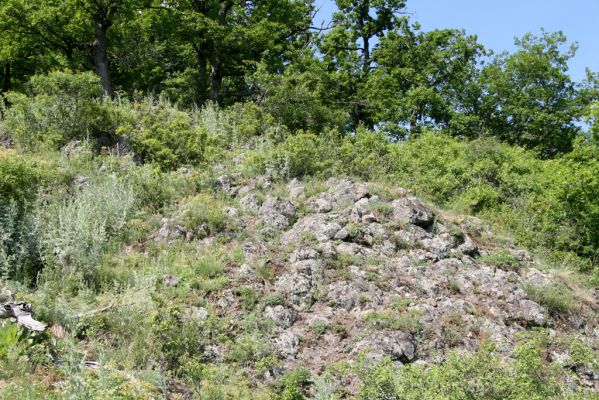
[353, 257]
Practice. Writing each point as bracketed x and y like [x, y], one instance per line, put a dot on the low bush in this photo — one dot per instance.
[157, 190]
[75, 230]
[550, 204]
[482, 375]
[406, 320]
[365, 154]
[160, 133]
[204, 215]
[58, 108]
[20, 352]
[502, 258]
[21, 179]
[176, 338]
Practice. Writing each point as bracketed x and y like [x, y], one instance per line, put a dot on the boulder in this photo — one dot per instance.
[287, 345]
[410, 210]
[277, 212]
[250, 203]
[397, 345]
[282, 316]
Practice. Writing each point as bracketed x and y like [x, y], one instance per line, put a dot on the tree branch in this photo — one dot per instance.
[23, 313]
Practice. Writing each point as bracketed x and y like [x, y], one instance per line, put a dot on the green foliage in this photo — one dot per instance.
[482, 375]
[405, 320]
[20, 352]
[299, 97]
[21, 177]
[160, 133]
[558, 299]
[542, 202]
[20, 181]
[208, 266]
[423, 78]
[58, 108]
[204, 215]
[292, 385]
[176, 338]
[158, 190]
[300, 155]
[8, 338]
[502, 258]
[274, 299]
[247, 296]
[347, 49]
[365, 154]
[320, 326]
[249, 349]
[529, 99]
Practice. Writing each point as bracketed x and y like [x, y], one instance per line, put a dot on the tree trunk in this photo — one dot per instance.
[6, 79]
[100, 47]
[414, 130]
[366, 56]
[216, 78]
[203, 75]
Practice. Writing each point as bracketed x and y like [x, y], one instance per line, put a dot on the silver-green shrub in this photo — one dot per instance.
[75, 230]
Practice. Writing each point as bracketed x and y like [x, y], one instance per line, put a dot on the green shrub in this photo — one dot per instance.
[406, 320]
[274, 299]
[551, 204]
[204, 215]
[238, 124]
[21, 177]
[58, 108]
[157, 190]
[75, 230]
[208, 266]
[482, 375]
[301, 155]
[160, 133]
[20, 352]
[249, 348]
[320, 327]
[247, 296]
[20, 181]
[175, 337]
[293, 385]
[365, 154]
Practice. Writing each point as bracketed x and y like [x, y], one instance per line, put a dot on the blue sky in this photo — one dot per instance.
[497, 22]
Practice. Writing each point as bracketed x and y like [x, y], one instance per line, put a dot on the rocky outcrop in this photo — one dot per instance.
[358, 273]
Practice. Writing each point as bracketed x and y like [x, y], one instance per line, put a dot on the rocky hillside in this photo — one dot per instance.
[218, 283]
[346, 271]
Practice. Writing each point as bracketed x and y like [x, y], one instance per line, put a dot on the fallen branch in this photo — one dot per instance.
[23, 313]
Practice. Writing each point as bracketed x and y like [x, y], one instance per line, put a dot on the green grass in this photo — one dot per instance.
[503, 259]
[407, 321]
[558, 299]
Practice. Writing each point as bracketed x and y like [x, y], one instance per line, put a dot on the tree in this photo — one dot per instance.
[299, 96]
[529, 99]
[223, 39]
[75, 33]
[37, 36]
[421, 78]
[347, 48]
